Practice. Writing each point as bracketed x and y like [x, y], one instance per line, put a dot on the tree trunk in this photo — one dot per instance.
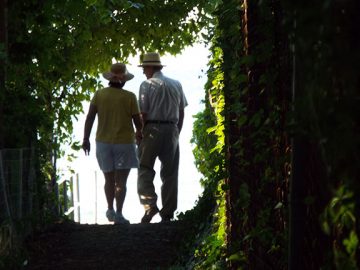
[235, 177]
[248, 191]
[309, 247]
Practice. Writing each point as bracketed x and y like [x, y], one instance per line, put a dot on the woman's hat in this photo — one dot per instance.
[151, 59]
[116, 70]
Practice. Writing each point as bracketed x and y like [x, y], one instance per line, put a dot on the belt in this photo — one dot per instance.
[159, 122]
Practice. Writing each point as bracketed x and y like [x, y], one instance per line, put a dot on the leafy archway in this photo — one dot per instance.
[55, 50]
[263, 52]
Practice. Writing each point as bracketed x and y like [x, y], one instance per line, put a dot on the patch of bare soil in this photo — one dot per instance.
[75, 246]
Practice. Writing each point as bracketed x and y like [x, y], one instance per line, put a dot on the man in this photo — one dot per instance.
[117, 110]
[162, 104]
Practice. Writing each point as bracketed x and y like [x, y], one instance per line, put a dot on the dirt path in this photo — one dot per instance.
[122, 247]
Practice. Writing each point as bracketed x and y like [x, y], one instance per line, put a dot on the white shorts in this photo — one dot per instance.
[113, 157]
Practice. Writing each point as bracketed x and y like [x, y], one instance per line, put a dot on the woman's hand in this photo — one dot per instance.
[86, 146]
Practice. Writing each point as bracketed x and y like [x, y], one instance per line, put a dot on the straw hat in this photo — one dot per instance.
[151, 59]
[116, 70]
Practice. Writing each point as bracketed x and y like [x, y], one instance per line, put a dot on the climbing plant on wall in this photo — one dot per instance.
[272, 52]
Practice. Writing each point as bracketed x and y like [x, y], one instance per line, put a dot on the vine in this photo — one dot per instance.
[249, 130]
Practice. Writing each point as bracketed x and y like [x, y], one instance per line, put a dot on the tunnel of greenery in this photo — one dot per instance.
[277, 143]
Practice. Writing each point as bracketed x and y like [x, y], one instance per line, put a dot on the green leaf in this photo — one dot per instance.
[278, 205]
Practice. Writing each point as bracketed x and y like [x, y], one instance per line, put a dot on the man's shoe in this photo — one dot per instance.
[149, 214]
[119, 219]
[110, 214]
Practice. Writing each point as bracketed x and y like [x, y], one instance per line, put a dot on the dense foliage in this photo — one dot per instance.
[250, 108]
[57, 49]
[288, 70]
[208, 136]
[326, 120]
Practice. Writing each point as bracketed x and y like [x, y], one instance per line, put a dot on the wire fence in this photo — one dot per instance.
[19, 200]
[17, 190]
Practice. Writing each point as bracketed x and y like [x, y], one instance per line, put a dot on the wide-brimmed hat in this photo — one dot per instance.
[151, 59]
[118, 69]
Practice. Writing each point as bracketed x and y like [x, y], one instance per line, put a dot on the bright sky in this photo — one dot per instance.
[189, 68]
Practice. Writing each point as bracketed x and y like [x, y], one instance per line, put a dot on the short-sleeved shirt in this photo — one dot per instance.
[161, 98]
[115, 108]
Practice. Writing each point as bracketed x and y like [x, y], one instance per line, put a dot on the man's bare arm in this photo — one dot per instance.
[143, 118]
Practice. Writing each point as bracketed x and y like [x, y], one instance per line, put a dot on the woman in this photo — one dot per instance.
[117, 110]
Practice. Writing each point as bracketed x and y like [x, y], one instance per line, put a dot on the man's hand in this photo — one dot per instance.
[139, 136]
[86, 146]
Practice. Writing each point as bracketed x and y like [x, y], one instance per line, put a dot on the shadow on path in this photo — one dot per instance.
[69, 245]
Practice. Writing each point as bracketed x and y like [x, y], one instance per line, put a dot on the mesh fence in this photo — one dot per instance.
[17, 189]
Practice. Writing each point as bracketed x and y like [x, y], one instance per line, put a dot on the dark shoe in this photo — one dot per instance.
[110, 214]
[149, 214]
[165, 219]
[119, 219]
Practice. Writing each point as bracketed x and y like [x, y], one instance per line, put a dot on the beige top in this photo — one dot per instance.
[161, 98]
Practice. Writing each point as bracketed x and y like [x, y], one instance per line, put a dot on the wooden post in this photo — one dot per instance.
[78, 197]
[31, 181]
[54, 182]
[65, 196]
[295, 215]
[72, 198]
[95, 197]
[20, 183]
[3, 184]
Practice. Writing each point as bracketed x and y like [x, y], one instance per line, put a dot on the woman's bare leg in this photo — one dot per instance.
[110, 188]
[121, 177]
